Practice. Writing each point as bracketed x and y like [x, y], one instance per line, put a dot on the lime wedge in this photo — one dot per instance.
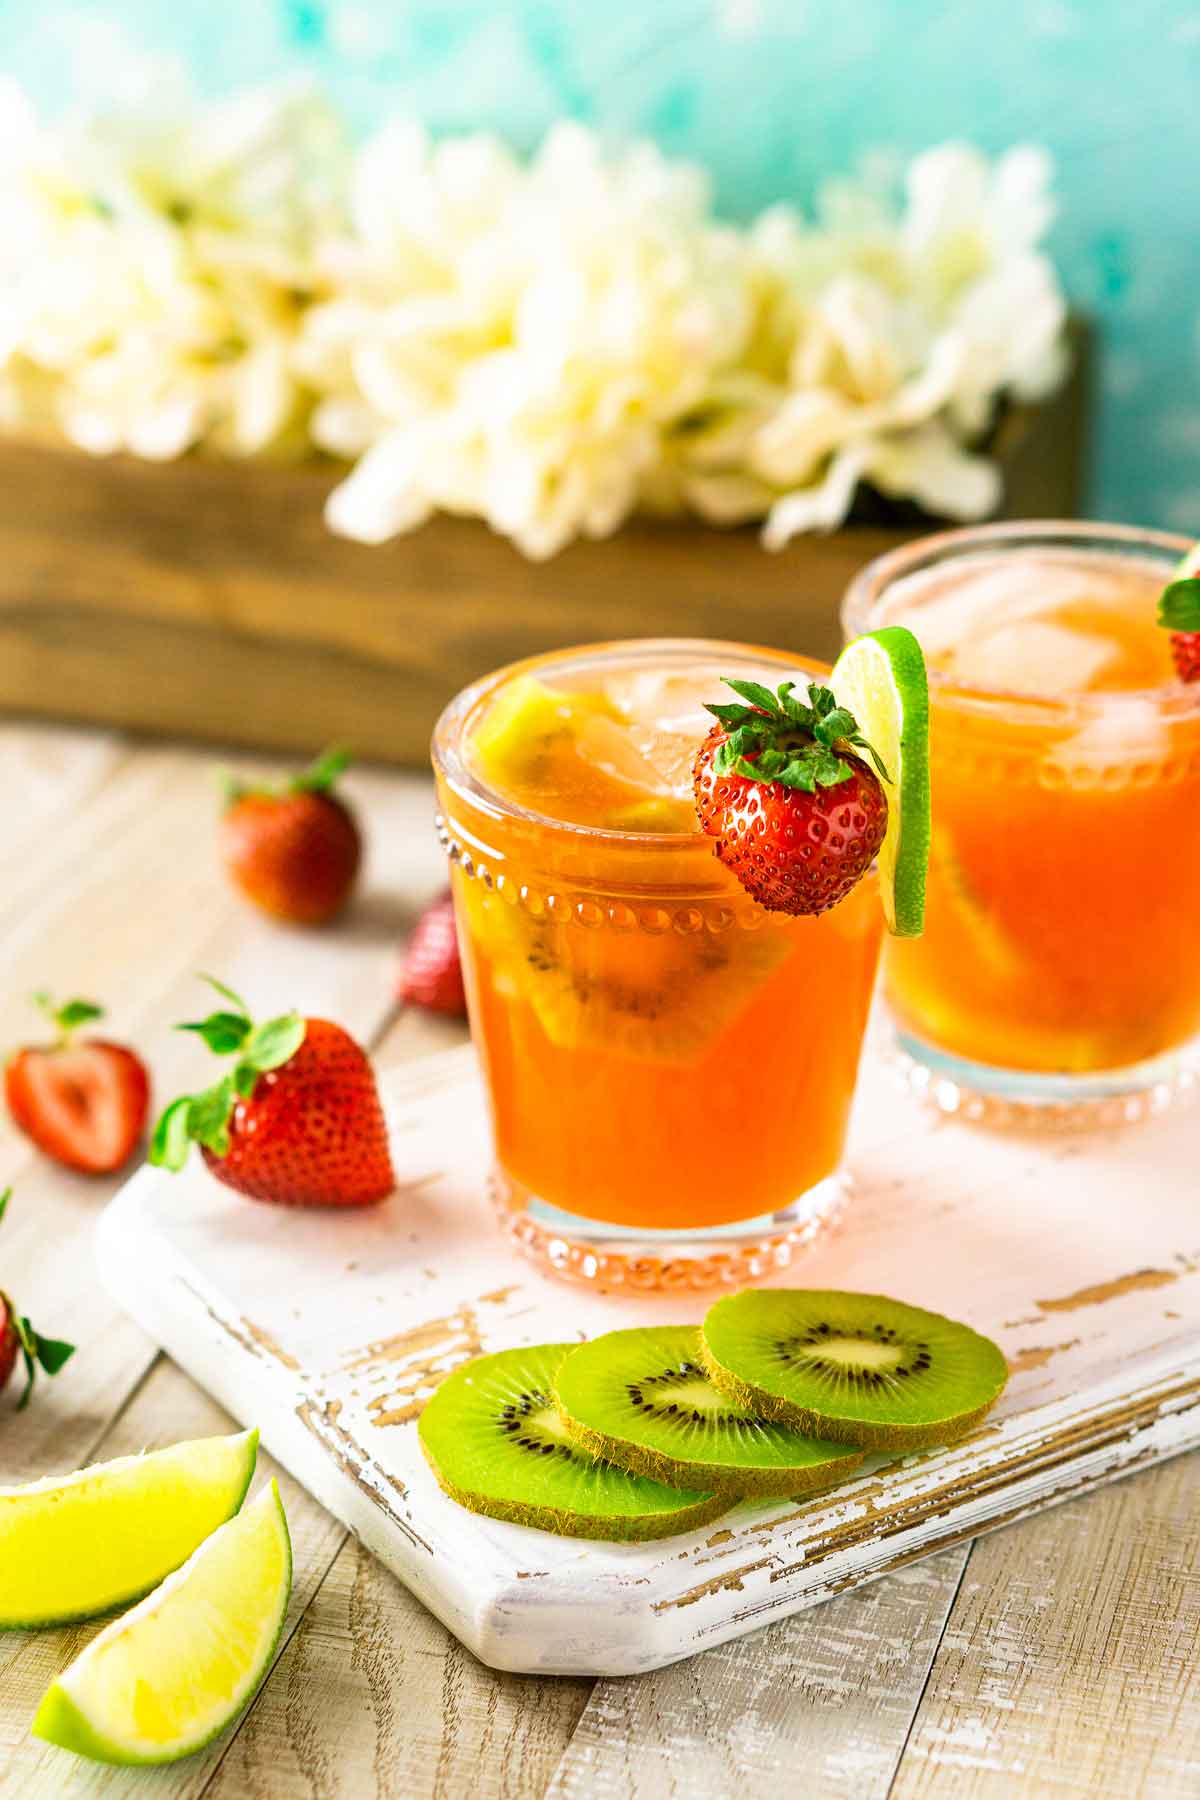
[881, 679]
[164, 1680]
[75, 1545]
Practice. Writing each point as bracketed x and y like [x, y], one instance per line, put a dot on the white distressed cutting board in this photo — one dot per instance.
[329, 1331]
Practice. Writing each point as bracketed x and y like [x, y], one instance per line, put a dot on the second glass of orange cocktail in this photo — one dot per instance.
[670, 1065]
[1058, 977]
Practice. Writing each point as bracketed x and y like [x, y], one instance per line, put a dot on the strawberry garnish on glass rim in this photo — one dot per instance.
[798, 814]
[1179, 612]
[19, 1339]
[296, 1120]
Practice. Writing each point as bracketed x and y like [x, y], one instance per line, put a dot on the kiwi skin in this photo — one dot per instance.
[865, 1433]
[747, 1484]
[633, 1530]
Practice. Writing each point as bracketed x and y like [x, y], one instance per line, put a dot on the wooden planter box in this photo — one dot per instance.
[208, 599]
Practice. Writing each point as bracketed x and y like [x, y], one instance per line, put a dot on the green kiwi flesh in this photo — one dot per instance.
[496, 1444]
[857, 1368]
[658, 998]
[641, 1399]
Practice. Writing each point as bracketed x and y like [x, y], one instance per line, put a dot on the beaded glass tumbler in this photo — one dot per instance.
[669, 1068]
[1057, 983]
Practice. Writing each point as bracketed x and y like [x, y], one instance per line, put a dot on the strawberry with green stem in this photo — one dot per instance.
[294, 852]
[18, 1339]
[1179, 613]
[296, 1120]
[785, 787]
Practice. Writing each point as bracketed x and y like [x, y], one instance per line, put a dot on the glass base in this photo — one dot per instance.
[1024, 1100]
[620, 1256]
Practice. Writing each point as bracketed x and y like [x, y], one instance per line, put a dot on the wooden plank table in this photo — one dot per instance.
[1055, 1657]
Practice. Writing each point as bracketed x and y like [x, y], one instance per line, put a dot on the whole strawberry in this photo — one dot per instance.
[19, 1339]
[797, 816]
[293, 852]
[296, 1121]
[82, 1100]
[1179, 611]
[431, 973]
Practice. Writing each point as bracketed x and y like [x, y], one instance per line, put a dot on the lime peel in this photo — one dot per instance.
[170, 1676]
[881, 679]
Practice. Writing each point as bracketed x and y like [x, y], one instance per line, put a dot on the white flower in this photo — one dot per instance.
[154, 264]
[514, 343]
[544, 344]
[884, 339]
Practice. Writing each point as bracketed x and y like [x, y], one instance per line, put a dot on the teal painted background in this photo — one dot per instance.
[772, 95]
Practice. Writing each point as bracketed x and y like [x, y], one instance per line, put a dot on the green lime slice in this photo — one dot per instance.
[72, 1546]
[168, 1677]
[881, 679]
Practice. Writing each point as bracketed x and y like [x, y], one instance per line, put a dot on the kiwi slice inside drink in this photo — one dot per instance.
[857, 1368]
[658, 996]
[641, 1399]
[497, 1445]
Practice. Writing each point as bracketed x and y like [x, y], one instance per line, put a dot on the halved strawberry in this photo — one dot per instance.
[297, 1121]
[797, 815]
[83, 1101]
[19, 1339]
[294, 852]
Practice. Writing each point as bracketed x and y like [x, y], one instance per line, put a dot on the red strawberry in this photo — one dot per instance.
[796, 815]
[1179, 611]
[294, 854]
[431, 973]
[10, 1343]
[1185, 648]
[297, 1121]
[84, 1103]
[18, 1338]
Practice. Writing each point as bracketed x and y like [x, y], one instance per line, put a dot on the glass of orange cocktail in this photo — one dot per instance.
[1059, 971]
[669, 1067]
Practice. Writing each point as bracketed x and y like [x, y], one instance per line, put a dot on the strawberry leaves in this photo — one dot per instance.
[318, 778]
[1179, 605]
[780, 738]
[68, 1018]
[204, 1118]
[37, 1352]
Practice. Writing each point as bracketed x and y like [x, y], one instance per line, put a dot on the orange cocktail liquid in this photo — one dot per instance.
[659, 1053]
[1064, 881]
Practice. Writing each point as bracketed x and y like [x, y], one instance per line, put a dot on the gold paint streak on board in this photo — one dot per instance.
[269, 1344]
[1038, 1355]
[1109, 1290]
[324, 1423]
[426, 1354]
[733, 1583]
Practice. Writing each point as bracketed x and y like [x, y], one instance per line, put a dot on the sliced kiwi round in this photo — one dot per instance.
[858, 1368]
[495, 1442]
[642, 1399]
[660, 998]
